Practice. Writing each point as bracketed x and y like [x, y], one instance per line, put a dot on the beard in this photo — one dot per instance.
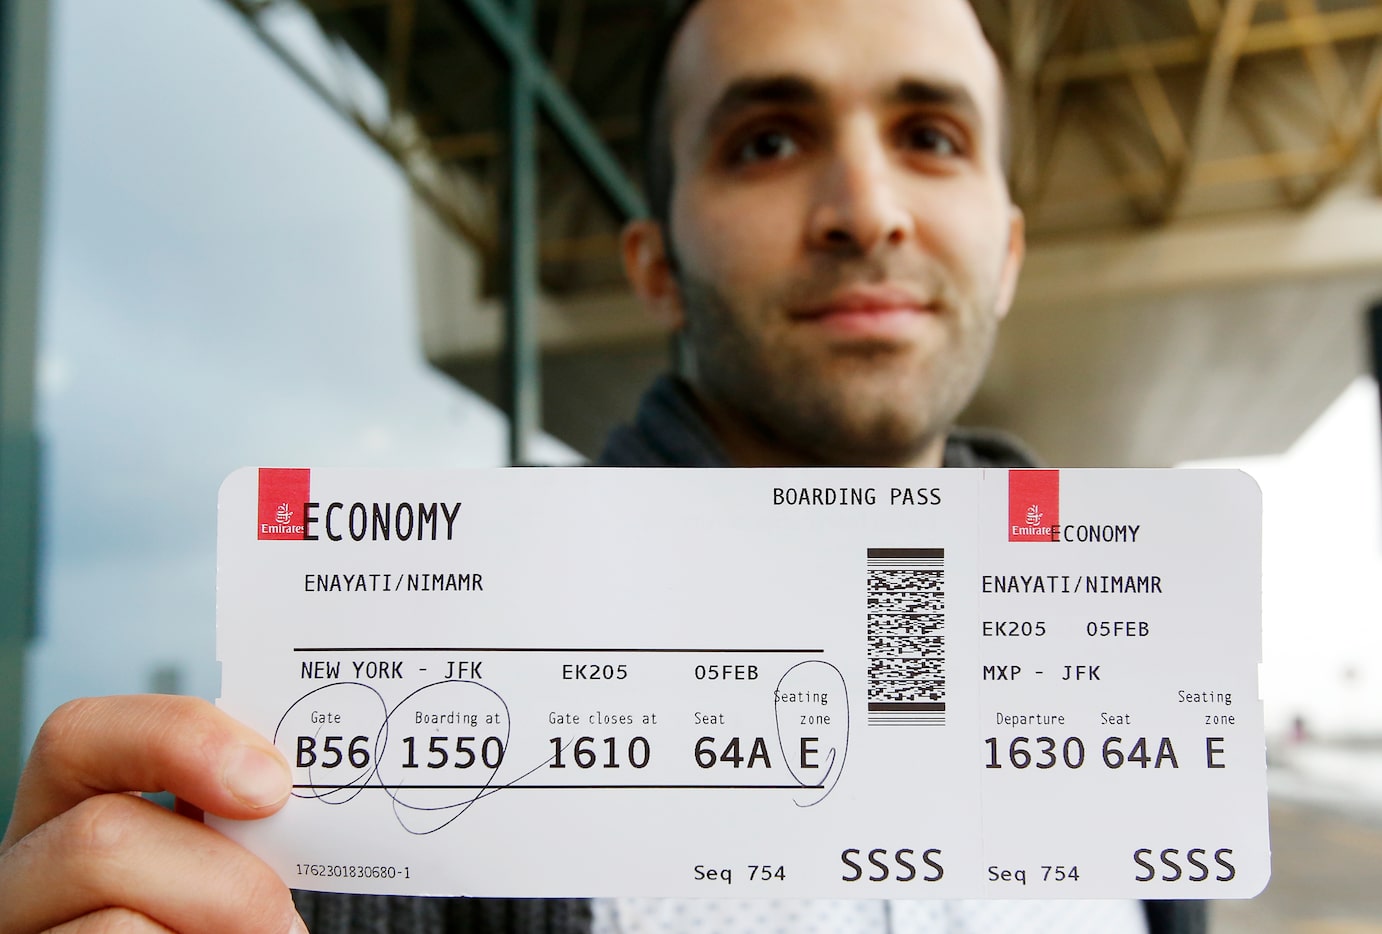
[847, 403]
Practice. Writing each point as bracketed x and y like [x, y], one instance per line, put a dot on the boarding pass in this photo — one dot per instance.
[780, 683]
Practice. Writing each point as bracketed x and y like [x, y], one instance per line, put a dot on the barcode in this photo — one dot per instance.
[906, 636]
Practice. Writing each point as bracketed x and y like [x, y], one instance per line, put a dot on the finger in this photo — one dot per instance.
[148, 743]
[122, 851]
[112, 921]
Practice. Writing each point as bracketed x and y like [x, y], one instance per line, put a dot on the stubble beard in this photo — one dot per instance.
[865, 403]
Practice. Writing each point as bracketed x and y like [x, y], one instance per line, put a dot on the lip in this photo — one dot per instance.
[869, 311]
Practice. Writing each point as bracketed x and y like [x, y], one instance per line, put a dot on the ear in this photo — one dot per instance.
[1012, 261]
[649, 271]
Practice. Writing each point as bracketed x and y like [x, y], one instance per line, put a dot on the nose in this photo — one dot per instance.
[856, 207]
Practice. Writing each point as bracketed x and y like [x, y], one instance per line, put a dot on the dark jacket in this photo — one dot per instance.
[669, 431]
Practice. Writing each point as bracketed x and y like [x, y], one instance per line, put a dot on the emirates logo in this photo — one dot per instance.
[282, 493]
[1033, 505]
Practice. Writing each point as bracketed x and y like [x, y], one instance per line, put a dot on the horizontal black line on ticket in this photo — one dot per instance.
[551, 787]
[588, 650]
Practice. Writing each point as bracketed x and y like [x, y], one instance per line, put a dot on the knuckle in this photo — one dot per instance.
[106, 844]
[102, 828]
[192, 725]
[200, 719]
[261, 900]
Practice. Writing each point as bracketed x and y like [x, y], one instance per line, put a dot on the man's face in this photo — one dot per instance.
[843, 237]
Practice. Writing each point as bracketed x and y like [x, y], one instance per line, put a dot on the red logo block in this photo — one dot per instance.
[283, 493]
[1033, 505]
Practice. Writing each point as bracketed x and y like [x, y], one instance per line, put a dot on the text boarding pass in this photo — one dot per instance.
[731, 683]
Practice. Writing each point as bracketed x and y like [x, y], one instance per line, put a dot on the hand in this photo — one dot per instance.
[85, 853]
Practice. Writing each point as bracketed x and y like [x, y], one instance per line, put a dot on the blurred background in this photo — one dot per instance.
[283, 232]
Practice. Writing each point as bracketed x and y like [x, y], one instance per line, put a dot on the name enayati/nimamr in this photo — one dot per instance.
[1071, 583]
[367, 582]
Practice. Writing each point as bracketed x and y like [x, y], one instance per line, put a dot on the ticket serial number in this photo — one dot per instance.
[352, 871]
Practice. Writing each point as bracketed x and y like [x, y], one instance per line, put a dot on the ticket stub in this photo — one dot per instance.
[782, 683]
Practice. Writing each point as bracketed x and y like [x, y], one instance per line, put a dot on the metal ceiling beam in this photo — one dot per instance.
[1223, 35]
[1368, 116]
[563, 111]
[402, 16]
[1261, 39]
[1146, 84]
[566, 49]
[1247, 99]
[1027, 45]
[336, 6]
[1063, 55]
[1128, 183]
[1218, 81]
[532, 83]
[1322, 58]
[1054, 109]
[522, 389]
[1270, 166]
[489, 144]
[1034, 29]
[423, 173]
[1206, 14]
[1137, 187]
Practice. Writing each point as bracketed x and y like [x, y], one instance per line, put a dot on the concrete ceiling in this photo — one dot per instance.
[1158, 380]
[1209, 338]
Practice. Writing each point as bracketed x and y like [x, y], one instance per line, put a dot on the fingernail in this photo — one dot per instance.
[256, 778]
[299, 927]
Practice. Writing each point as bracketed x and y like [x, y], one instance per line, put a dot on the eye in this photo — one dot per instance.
[931, 138]
[765, 146]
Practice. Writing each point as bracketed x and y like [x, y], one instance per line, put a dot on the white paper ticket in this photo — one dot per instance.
[724, 683]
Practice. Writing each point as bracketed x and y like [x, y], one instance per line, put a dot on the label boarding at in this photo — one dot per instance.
[783, 683]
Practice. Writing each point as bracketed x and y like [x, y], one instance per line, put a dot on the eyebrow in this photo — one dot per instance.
[796, 91]
[935, 93]
[757, 91]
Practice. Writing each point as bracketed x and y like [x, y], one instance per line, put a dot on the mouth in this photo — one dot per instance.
[874, 312]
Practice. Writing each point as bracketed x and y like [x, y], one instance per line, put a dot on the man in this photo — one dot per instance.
[834, 239]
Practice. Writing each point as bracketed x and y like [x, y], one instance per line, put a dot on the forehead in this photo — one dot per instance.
[846, 48]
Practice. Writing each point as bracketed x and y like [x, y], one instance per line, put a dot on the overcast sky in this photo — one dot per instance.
[227, 282]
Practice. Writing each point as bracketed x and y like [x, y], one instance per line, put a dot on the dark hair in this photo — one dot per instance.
[655, 120]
